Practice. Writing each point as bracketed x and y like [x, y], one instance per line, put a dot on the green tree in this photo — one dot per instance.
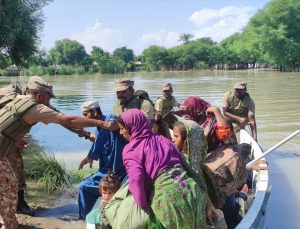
[67, 52]
[186, 37]
[20, 24]
[124, 54]
[154, 57]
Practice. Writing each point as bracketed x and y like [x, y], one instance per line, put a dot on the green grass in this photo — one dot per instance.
[42, 167]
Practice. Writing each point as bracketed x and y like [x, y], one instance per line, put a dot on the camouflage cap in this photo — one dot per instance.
[37, 84]
[89, 105]
[240, 85]
[123, 84]
[167, 86]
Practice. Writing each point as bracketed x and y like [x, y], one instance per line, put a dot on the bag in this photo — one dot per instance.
[228, 165]
[142, 94]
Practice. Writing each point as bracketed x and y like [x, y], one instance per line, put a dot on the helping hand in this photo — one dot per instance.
[86, 161]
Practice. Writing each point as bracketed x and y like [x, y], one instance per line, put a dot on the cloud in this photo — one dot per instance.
[162, 38]
[98, 35]
[219, 24]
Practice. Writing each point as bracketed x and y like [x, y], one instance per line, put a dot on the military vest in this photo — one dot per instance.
[238, 107]
[135, 102]
[168, 104]
[12, 126]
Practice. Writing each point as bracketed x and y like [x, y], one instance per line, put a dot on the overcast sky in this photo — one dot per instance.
[137, 24]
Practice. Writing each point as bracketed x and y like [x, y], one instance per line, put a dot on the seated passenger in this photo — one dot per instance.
[210, 118]
[107, 148]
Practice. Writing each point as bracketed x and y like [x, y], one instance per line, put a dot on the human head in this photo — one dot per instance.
[91, 109]
[196, 107]
[134, 125]
[179, 136]
[240, 89]
[40, 90]
[109, 185]
[167, 90]
[125, 90]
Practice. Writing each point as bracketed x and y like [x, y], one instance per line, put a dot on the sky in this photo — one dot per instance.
[137, 24]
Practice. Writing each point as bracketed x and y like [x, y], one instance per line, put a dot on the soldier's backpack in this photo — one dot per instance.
[228, 164]
[142, 94]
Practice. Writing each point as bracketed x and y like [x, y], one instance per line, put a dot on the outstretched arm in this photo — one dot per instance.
[252, 124]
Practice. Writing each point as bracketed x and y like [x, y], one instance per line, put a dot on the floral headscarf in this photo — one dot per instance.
[196, 106]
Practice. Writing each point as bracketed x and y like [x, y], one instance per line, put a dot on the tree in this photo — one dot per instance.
[154, 57]
[124, 54]
[68, 52]
[186, 37]
[20, 23]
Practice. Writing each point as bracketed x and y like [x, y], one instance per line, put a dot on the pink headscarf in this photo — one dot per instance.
[145, 156]
[196, 106]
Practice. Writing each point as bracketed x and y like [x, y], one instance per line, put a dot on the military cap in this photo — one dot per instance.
[37, 84]
[240, 85]
[167, 86]
[123, 84]
[89, 105]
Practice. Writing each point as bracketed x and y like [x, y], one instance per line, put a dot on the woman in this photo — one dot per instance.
[211, 120]
[154, 168]
[190, 140]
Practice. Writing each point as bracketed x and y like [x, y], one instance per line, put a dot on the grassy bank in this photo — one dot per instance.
[49, 174]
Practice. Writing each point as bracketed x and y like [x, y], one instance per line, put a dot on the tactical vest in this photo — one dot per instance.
[12, 126]
[238, 106]
[135, 102]
[168, 104]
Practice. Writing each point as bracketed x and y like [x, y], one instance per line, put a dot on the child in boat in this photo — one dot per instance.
[108, 186]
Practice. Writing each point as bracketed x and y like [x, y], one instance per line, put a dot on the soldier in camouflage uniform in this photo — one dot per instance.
[239, 108]
[18, 115]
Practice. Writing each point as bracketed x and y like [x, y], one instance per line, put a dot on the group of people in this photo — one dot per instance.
[144, 178]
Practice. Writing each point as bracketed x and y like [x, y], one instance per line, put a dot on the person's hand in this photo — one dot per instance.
[243, 122]
[92, 137]
[86, 161]
[211, 110]
[21, 144]
[259, 165]
[211, 213]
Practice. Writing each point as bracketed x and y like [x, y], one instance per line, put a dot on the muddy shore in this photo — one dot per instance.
[53, 210]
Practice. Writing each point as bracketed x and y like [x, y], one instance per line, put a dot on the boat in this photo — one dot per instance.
[255, 217]
[256, 214]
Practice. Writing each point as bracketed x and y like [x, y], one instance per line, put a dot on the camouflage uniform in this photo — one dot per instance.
[8, 196]
[16, 162]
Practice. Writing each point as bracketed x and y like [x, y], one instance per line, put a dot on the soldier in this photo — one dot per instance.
[165, 103]
[18, 115]
[240, 108]
[128, 100]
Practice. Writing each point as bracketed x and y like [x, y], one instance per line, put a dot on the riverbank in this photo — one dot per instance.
[58, 209]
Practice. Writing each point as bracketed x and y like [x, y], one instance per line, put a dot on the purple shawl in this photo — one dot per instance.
[145, 156]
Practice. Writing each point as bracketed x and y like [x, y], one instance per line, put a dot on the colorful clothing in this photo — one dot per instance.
[153, 163]
[145, 156]
[107, 148]
[196, 154]
[178, 201]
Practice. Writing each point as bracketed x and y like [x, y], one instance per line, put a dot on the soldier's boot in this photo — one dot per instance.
[22, 206]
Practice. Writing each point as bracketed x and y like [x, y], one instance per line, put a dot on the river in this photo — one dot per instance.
[277, 98]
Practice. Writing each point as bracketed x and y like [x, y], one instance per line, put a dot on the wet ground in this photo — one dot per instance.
[57, 210]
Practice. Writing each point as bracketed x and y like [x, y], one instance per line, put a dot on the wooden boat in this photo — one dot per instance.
[256, 214]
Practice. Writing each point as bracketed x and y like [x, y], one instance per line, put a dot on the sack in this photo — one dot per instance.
[228, 165]
[142, 94]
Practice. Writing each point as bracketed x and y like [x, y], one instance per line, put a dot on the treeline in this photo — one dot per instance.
[270, 40]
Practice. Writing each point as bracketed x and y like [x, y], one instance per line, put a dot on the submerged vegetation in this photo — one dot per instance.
[270, 40]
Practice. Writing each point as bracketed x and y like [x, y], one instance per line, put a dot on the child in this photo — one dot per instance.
[107, 188]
